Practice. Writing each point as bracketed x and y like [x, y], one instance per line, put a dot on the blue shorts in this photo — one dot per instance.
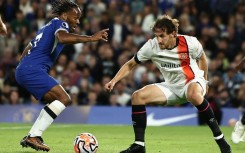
[35, 80]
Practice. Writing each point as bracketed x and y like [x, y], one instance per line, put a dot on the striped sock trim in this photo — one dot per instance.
[50, 112]
[57, 107]
[205, 108]
[139, 112]
[140, 143]
[219, 137]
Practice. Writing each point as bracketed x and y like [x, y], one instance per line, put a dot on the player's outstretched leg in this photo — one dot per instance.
[206, 111]
[44, 120]
[35, 143]
[134, 148]
[139, 125]
[238, 132]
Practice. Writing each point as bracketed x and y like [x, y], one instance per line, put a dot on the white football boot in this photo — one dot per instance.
[238, 132]
[243, 138]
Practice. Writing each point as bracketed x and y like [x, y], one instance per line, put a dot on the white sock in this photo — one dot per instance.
[36, 124]
[219, 137]
[140, 143]
[46, 118]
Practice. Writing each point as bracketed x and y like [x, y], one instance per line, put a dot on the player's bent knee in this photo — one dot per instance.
[194, 97]
[138, 98]
[66, 101]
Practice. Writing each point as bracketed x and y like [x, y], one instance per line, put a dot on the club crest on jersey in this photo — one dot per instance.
[183, 56]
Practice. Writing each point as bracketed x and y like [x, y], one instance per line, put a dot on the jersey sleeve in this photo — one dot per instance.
[197, 49]
[145, 52]
[31, 42]
[60, 25]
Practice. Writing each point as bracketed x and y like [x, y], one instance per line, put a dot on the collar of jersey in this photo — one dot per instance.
[177, 43]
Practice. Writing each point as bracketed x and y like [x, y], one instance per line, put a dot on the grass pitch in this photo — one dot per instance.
[112, 139]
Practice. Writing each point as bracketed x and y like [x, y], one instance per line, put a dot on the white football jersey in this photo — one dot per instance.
[178, 65]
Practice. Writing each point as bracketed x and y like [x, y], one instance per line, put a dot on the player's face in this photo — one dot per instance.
[73, 18]
[164, 39]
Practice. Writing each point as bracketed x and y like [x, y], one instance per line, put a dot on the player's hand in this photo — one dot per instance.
[101, 35]
[109, 86]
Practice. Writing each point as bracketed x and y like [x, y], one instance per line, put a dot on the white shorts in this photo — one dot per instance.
[176, 94]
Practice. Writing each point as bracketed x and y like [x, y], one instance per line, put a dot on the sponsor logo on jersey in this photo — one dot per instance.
[170, 65]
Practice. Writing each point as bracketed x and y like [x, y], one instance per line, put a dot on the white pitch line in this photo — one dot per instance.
[60, 126]
[27, 127]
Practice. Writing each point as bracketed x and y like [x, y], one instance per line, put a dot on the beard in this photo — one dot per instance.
[162, 46]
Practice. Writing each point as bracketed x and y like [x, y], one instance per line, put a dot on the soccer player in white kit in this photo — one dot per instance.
[183, 64]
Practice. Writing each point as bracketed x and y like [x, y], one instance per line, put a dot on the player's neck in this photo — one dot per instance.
[62, 17]
[174, 43]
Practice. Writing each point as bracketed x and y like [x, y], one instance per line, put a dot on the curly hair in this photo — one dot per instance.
[61, 6]
[166, 23]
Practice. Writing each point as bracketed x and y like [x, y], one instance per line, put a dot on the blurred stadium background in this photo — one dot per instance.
[83, 69]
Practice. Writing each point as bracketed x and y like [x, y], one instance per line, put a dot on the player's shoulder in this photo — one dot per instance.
[192, 43]
[151, 43]
[58, 21]
[188, 38]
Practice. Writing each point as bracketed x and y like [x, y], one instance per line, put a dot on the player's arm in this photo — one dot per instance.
[123, 72]
[203, 65]
[69, 38]
[3, 29]
[28, 47]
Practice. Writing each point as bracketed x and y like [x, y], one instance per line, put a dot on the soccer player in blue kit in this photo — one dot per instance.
[37, 59]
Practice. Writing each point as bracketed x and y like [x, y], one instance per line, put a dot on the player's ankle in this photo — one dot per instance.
[140, 143]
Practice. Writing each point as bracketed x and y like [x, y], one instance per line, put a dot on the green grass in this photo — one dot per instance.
[112, 139]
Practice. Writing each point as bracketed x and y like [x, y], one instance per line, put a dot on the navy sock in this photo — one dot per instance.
[139, 121]
[206, 111]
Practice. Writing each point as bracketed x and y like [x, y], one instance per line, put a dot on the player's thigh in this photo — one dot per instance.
[196, 89]
[149, 94]
[172, 93]
[57, 93]
[36, 81]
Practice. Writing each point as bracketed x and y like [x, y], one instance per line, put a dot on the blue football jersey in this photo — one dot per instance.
[45, 46]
